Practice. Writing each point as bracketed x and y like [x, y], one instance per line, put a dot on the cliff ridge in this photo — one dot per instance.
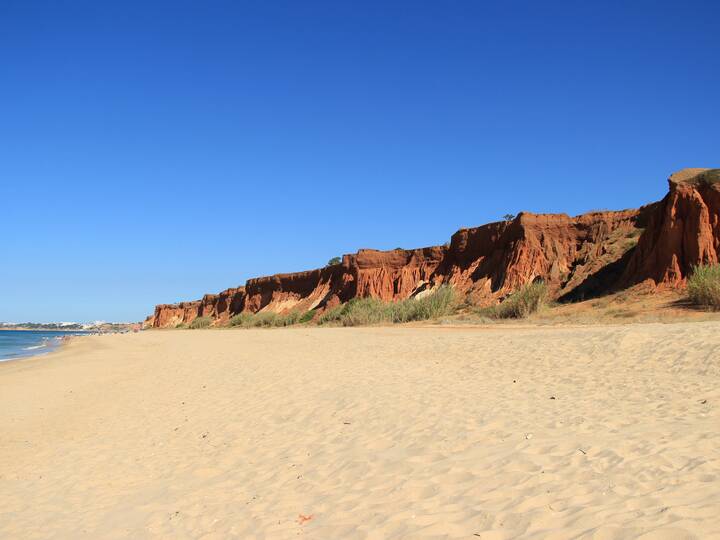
[577, 257]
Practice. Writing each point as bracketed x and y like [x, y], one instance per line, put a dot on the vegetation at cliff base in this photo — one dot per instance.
[519, 304]
[201, 322]
[440, 302]
[240, 319]
[703, 286]
[357, 312]
[366, 311]
[307, 317]
[268, 319]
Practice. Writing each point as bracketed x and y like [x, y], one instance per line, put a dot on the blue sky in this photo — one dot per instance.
[154, 151]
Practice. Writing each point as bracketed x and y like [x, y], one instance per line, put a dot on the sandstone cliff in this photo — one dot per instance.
[683, 232]
[578, 257]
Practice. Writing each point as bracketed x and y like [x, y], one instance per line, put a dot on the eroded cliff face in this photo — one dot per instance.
[216, 306]
[578, 257]
[388, 275]
[171, 315]
[683, 232]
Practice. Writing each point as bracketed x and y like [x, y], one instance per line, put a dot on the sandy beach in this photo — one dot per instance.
[601, 432]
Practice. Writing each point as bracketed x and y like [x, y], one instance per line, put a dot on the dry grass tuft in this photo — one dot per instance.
[367, 311]
[519, 304]
[268, 319]
[200, 322]
[703, 286]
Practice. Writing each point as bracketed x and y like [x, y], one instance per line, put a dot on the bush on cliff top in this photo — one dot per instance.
[708, 178]
[201, 322]
[519, 304]
[703, 286]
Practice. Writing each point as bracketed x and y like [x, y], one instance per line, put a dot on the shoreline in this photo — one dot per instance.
[66, 349]
[512, 325]
[3, 329]
[56, 346]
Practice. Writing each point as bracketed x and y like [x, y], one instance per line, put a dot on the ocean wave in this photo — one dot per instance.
[35, 347]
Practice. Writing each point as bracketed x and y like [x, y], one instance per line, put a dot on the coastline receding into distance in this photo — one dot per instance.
[359, 270]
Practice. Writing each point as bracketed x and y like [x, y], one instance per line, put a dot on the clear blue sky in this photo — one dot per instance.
[154, 151]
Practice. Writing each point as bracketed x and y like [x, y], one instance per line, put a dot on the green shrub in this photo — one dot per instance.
[707, 178]
[201, 322]
[241, 319]
[180, 326]
[438, 303]
[357, 312]
[269, 319]
[307, 317]
[250, 320]
[361, 311]
[288, 319]
[365, 311]
[264, 319]
[703, 286]
[519, 304]
[332, 315]
[294, 317]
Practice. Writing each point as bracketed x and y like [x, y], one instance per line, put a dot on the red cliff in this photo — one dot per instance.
[577, 257]
[683, 232]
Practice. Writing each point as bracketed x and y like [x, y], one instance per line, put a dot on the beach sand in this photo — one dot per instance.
[601, 432]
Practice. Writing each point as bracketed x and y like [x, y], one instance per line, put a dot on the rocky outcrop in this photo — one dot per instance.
[171, 315]
[683, 232]
[216, 306]
[300, 290]
[220, 306]
[578, 257]
[496, 259]
[388, 275]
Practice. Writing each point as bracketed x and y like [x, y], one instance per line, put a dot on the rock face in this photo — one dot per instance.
[216, 306]
[494, 260]
[578, 257]
[683, 232]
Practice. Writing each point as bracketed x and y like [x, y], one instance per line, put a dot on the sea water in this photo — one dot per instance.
[19, 343]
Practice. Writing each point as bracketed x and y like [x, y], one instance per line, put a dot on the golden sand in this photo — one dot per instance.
[603, 432]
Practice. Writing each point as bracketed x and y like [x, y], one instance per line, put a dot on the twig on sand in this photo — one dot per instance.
[302, 518]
